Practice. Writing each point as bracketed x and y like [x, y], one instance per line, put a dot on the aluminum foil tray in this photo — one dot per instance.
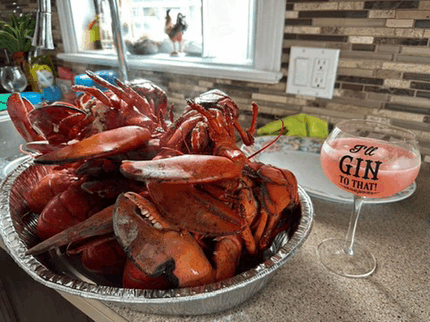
[17, 232]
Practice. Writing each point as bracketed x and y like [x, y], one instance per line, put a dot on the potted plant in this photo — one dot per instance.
[16, 36]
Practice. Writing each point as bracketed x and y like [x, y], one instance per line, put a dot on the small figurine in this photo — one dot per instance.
[175, 31]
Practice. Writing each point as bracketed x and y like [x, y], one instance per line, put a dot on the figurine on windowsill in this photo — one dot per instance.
[175, 31]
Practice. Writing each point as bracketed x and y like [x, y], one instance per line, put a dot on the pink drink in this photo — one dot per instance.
[369, 167]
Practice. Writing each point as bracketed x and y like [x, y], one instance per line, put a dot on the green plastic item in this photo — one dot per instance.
[302, 125]
[3, 101]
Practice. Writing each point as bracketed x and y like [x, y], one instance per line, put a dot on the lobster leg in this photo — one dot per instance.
[137, 100]
[116, 90]
[199, 137]
[227, 255]
[248, 136]
[152, 93]
[224, 145]
[278, 192]
[127, 94]
[95, 92]
[177, 138]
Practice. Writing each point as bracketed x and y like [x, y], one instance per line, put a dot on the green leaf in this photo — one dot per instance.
[7, 36]
[20, 44]
[8, 46]
[27, 47]
[22, 27]
[28, 34]
[14, 21]
[8, 41]
[11, 30]
[19, 36]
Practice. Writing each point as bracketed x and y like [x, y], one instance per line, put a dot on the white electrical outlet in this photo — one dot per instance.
[319, 75]
[312, 71]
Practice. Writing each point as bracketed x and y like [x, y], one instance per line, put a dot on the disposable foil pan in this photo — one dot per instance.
[17, 232]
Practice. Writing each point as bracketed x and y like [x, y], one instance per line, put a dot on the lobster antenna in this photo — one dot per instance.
[162, 120]
[171, 115]
[270, 143]
[185, 141]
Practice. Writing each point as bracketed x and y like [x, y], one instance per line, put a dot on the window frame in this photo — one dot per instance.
[270, 20]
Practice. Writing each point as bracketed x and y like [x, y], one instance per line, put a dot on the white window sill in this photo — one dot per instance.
[177, 67]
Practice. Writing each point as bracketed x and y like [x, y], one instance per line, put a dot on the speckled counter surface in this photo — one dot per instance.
[303, 290]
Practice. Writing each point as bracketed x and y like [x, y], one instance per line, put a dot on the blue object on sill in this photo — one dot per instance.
[34, 97]
[108, 75]
[52, 94]
[85, 80]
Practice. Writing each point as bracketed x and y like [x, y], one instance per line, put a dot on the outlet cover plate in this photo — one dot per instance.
[312, 71]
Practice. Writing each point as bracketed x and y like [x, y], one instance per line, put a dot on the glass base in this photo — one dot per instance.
[333, 256]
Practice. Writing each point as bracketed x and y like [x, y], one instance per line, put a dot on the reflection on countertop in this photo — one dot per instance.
[10, 140]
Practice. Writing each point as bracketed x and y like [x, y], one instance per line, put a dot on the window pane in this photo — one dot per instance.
[227, 30]
[145, 23]
[217, 31]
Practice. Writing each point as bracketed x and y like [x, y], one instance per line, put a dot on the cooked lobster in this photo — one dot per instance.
[190, 207]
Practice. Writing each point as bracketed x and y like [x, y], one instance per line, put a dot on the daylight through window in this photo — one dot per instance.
[220, 31]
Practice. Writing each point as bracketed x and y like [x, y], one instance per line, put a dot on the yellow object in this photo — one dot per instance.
[297, 125]
[95, 34]
[42, 75]
[94, 29]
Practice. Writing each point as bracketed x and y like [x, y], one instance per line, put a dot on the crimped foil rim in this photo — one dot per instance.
[16, 248]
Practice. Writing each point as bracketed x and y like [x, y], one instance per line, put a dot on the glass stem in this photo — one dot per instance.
[350, 235]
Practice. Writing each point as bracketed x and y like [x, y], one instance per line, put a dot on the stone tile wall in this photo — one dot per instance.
[384, 67]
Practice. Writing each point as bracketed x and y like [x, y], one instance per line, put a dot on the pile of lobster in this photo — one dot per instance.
[163, 203]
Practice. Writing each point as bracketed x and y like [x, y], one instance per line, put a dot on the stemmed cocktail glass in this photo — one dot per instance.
[13, 79]
[368, 159]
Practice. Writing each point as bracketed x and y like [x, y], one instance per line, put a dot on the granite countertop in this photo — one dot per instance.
[398, 234]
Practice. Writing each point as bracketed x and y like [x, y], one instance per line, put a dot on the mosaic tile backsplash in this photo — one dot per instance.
[384, 66]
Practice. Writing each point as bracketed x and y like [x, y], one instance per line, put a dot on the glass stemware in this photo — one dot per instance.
[13, 79]
[368, 159]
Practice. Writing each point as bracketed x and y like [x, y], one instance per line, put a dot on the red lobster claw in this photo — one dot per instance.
[188, 169]
[57, 122]
[100, 145]
[98, 224]
[156, 247]
[195, 210]
[18, 109]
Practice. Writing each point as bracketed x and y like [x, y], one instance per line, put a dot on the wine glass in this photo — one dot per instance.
[13, 79]
[368, 159]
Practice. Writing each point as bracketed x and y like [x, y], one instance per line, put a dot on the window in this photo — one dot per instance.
[234, 39]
